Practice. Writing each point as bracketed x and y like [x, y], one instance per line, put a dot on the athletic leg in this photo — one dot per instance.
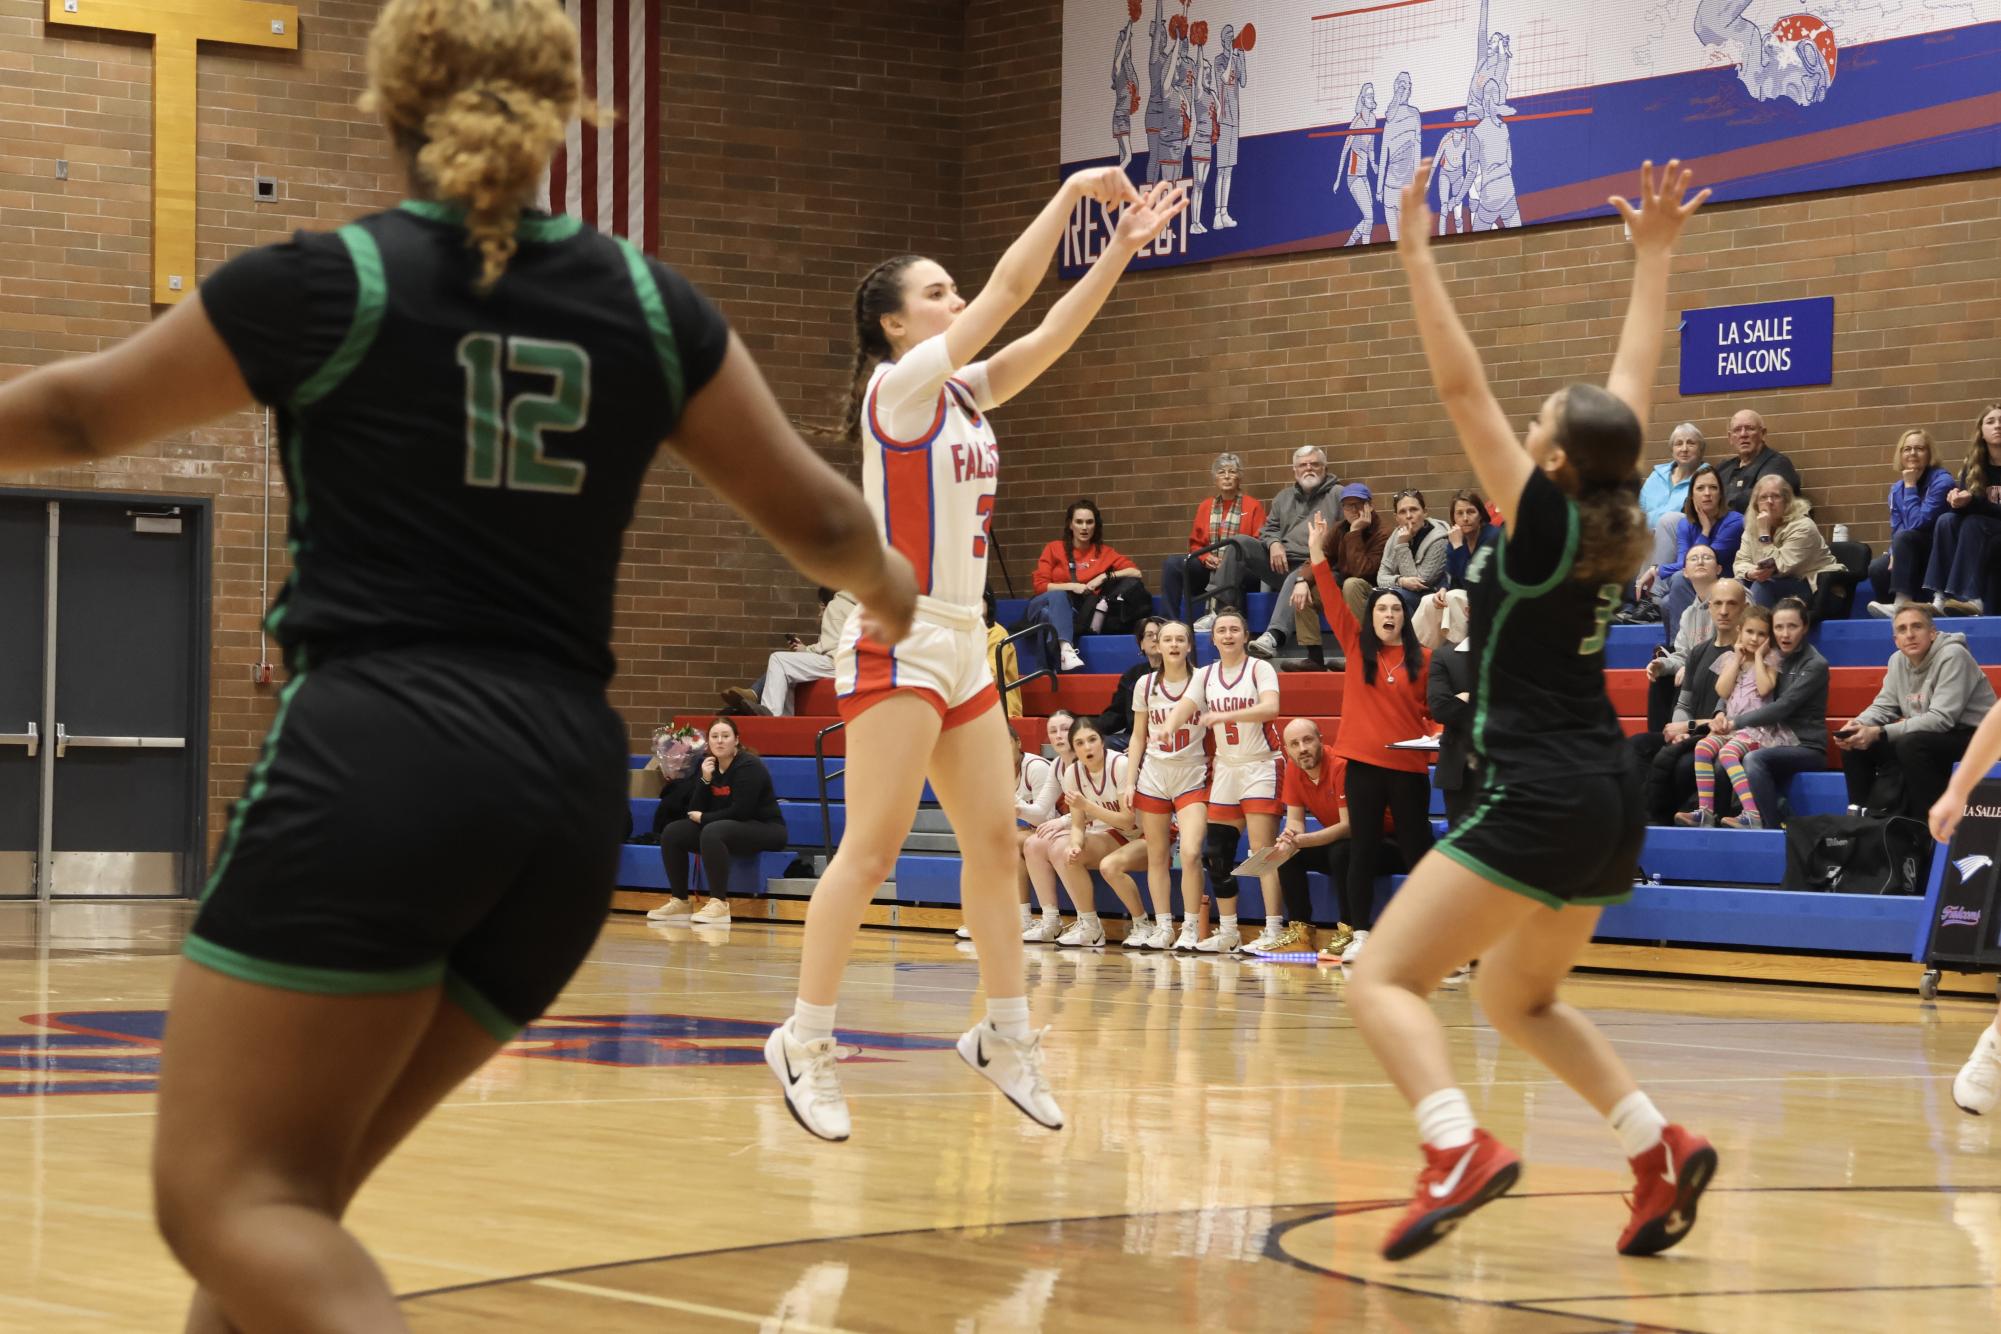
[1158, 832]
[1117, 867]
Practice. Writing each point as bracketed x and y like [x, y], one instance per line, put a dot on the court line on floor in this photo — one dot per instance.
[672, 1304]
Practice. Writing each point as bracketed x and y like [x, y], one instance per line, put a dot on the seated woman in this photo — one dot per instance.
[1697, 627]
[1665, 492]
[1797, 705]
[1917, 499]
[1955, 577]
[1116, 722]
[1414, 561]
[1035, 791]
[1073, 576]
[1443, 628]
[1705, 520]
[1228, 513]
[734, 813]
[1783, 555]
[1471, 529]
[1094, 785]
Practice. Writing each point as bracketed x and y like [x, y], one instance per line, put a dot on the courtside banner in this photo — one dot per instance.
[1297, 122]
[1728, 349]
[1965, 929]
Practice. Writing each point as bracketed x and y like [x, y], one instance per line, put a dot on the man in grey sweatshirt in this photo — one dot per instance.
[1899, 751]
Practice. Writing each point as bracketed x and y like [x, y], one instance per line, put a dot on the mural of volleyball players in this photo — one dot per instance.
[1490, 162]
[1403, 146]
[1159, 53]
[1233, 75]
[1358, 163]
[1455, 182]
[1125, 85]
[1203, 146]
[1493, 56]
[1794, 61]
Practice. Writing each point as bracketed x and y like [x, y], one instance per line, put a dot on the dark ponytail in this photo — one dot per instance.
[880, 294]
[1601, 445]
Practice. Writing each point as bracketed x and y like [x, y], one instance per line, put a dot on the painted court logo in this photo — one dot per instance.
[118, 1051]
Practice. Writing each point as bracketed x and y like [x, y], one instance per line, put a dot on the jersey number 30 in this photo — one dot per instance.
[517, 428]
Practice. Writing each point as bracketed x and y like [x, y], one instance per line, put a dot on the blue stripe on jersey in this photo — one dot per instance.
[891, 442]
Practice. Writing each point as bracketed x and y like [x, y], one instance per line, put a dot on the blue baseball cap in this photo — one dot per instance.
[1356, 491]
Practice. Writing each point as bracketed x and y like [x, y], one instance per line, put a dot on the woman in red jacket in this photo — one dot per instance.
[1226, 514]
[1078, 565]
[1382, 702]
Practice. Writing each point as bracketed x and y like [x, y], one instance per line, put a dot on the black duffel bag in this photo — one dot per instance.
[1857, 854]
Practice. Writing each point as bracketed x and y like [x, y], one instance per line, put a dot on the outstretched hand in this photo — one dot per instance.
[1145, 218]
[1657, 218]
[1414, 237]
[1316, 535]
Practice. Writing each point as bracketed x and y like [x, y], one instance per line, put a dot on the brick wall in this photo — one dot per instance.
[1261, 356]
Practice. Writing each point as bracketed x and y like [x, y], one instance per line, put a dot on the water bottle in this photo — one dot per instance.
[1841, 532]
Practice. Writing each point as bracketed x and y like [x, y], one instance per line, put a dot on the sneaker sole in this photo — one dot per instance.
[1656, 1236]
[1097, 944]
[974, 1066]
[1437, 1225]
[777, 1064]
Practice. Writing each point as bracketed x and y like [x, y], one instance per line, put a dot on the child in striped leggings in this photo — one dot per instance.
[1744, 680]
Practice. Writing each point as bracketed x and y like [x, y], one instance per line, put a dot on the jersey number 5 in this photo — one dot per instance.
[1609, 598]
[517, 429]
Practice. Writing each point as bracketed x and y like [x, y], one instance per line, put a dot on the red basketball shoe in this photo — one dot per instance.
[1454, 1183]
[1670, 1179]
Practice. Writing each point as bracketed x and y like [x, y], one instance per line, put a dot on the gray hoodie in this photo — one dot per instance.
[1427, 564]
[1942, 690]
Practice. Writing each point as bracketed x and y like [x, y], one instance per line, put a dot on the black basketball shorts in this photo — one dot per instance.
[1559, 841]
[422, 817]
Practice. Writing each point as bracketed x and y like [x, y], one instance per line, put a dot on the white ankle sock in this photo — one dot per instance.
[1274, 921]
[1052, 914]
[1227, 922]
[1009, 1016]
[1089, 919]
[1027, 915]
[1445, 1120]
[810, 1023]
[1637, 1123]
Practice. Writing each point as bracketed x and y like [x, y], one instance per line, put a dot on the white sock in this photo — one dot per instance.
[1027, 915]
[1052, 914]
[1227, 922]
[1637, 1123]
[1089, 919]
[1445, 1120]
[1274, 920]
[1140, 924]
[1009, 1016]
[810, 1023]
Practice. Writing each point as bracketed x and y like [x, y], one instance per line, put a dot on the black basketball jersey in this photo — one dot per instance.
[462, 466]
[1540, 708]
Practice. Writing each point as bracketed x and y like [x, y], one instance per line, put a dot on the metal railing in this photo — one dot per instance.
[1049, 650]
[820, 772]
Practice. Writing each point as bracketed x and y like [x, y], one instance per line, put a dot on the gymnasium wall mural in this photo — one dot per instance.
[1296, 122]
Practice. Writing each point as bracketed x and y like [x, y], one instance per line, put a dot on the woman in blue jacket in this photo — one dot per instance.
[1706, 521]
[1917, 498]
[1665, 491]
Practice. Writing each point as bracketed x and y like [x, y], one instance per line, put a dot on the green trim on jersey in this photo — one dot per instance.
[656, 320]
[560, 227]
[1563, 564]
[1512, 598]
[369, 303]
[259, 774]
[298, 977]
[479, 1009]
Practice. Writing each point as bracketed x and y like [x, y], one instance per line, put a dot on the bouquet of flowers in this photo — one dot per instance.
[677, 749]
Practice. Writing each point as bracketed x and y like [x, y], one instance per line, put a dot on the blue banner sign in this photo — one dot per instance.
[1767, 346]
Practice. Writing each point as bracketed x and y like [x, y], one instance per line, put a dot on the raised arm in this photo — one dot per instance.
[1017, 365]
[1653, 224]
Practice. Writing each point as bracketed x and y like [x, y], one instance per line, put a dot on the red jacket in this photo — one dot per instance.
[1373, 716]
[1251, 517]
[1055, 565]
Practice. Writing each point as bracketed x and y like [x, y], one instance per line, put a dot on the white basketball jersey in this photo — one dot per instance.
[1241, 743]
[1154, 699]
[933, 494]
[1028, 784]
[1104, 789]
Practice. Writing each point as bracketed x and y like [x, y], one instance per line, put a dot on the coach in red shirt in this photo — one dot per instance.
[1314, 781]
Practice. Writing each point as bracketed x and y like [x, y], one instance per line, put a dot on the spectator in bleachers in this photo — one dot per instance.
[1116, 722]
[1707, 521]
[1964, 540]
[1442, 627]
[1382, 702]
[1357, 557]
[1783, 554]
[1917, 499]
[1799, 705]
[1471, 528]
[1009, 667]
[734, 814]
[1074, 581]
[1670, 776]
[1748, 680]
[1664, 495]
[1664, 672]
[1094, 784]
[1414, 561]
[1754, 461]
[797, 664]
[1227, 514]
[1899, 752]
[1313, 491]
[1315, 784]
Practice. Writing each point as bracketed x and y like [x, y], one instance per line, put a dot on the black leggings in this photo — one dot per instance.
[1331, 860]
[1371, 790]
[718, 841]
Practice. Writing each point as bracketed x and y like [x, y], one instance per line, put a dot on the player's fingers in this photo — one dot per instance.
[1695, 203]
[1647, 179]
[1626, 210]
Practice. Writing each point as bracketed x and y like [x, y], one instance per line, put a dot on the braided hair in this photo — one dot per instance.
[880, 294]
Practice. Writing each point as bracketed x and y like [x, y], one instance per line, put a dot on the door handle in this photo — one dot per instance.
[32, 739]
[64, 741]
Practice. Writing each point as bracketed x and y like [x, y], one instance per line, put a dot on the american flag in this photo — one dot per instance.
[609, 174]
